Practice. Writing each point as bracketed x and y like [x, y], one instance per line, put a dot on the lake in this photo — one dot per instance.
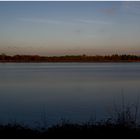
[31, 93]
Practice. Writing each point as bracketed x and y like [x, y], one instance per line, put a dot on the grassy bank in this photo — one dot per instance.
[68, 130]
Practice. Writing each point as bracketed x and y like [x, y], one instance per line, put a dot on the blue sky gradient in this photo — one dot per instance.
[60, 28]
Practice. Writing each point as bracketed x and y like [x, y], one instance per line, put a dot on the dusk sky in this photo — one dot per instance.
[61, 28]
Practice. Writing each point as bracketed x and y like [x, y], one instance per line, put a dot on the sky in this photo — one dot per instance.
[70, 27]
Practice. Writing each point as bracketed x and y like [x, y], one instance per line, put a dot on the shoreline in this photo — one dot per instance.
[72, 62]
[69, 59]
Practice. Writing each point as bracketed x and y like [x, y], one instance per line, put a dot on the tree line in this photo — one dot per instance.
[70, 58]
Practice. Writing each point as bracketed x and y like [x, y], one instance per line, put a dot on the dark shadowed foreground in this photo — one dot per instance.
[105, 129]
[124, 124]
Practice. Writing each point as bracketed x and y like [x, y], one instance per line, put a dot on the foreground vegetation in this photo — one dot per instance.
[70, 130]
[69, 58]
[124, 125]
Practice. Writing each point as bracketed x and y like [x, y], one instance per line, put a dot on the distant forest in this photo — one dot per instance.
[70, 58]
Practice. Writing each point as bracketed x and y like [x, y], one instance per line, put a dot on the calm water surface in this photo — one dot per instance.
[74, 91]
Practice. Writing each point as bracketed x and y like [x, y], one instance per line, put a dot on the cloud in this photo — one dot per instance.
[69, 22]
[131, 7]
[125, 7]
[87, 21]
[109, 11]
[78, 31]
[40, 20]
